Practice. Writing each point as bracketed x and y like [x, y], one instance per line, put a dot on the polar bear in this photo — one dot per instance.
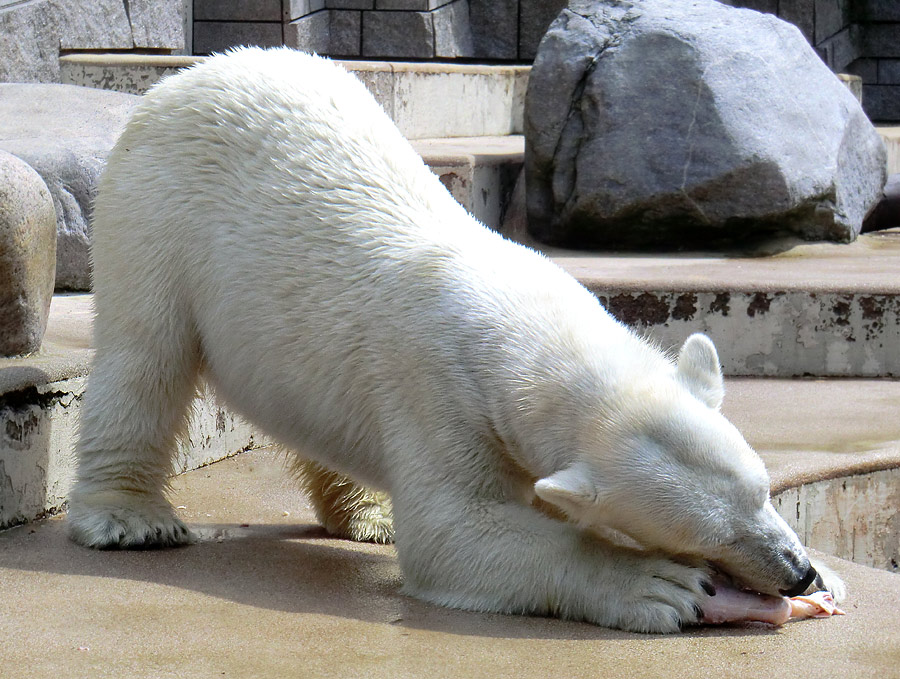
[263, 223]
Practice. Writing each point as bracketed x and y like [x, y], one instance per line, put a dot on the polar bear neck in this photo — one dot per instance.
[563, 362]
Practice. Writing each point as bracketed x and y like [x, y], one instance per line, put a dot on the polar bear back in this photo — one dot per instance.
[264, 207]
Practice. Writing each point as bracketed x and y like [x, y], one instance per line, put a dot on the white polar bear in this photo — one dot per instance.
[263, 223]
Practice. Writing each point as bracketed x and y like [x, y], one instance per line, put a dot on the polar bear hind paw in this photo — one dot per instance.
[345, 508]
[135, 525]
[368, 522]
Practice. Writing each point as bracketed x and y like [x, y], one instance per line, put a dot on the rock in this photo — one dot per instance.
[660, 122]
[27, 256]
[29, 47]
[65, 132]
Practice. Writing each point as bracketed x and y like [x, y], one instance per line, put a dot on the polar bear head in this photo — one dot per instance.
[668, 470]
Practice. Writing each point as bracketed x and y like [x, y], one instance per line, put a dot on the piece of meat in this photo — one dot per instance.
[734, 605]
[815, 605]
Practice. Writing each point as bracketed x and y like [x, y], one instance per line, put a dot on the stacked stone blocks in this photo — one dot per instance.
[858, 36]
[33, 32]
[393, 29]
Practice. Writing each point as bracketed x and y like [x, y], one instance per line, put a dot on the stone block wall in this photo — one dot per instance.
[878, 63]
[507, 30]
[33, 33]
[861, 37]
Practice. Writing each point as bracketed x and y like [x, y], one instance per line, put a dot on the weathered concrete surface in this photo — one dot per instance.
[266, 594]
[835, 479]
[128, 73]
[818, 309]
[27, 256]
[39, 430]
[891, 137]
[856, 517]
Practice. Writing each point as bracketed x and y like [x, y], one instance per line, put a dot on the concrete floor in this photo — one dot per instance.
[267, 594]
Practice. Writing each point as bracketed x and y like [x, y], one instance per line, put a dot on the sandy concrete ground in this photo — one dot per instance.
[267, 594]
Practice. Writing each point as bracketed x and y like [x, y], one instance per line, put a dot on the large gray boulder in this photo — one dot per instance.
[686, 121]
[27, 256]
[65, 132]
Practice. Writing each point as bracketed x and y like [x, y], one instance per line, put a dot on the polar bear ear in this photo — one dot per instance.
[699, 370]
[570, 490]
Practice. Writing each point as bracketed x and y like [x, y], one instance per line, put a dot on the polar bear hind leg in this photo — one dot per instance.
[343, 507]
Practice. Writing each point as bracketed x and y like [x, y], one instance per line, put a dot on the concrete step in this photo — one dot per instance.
[818, 309]
[835, 479]
[267, 594]
[425, 100]
[480, 172]
[798, 309]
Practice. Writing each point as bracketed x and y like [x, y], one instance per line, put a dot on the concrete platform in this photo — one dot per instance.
[802, 309]
[266, 594]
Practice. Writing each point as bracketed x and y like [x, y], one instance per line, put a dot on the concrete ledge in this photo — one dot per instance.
[891, 136]
[39, 430]
[853, 517]
[812, 309]
[424, 99]
[835, 478]
[479, 172]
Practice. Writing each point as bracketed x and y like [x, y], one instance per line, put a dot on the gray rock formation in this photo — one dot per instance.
[65, 132]
[27, 256]
[685, 121]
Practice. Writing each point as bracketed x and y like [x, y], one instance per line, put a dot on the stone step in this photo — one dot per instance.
[425, 100]
[891, 137]
[266, 593]
[480, 172]
[818, 309]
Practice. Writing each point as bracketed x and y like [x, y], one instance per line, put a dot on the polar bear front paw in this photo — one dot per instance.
[662, 597]
[125, 521]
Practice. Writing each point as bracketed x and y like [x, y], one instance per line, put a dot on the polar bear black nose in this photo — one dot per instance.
[801, 586]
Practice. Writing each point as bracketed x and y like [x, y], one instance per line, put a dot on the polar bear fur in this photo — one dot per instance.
[263, 223]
